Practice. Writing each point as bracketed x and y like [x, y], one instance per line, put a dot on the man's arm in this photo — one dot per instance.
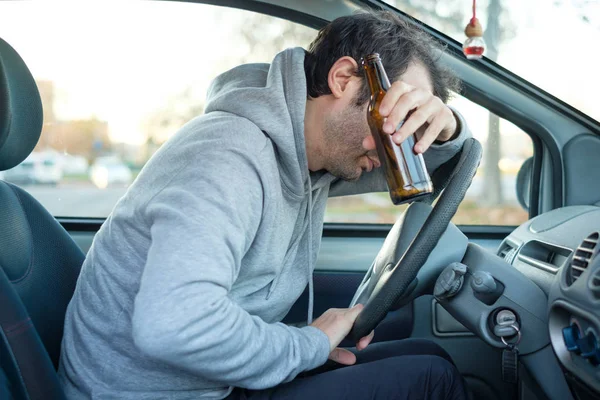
[437, 154]
[202, 224]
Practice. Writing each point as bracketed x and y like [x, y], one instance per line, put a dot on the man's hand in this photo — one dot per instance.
[337, 323]
[431, 119]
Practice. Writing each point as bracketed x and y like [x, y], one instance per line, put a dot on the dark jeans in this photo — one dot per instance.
[403, 369]
[4, 388]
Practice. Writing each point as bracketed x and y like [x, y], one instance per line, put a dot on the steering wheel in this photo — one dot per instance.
[391, 278]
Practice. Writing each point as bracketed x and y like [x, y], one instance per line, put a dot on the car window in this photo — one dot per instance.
[112, 97]
[492, 197]
[112, 94]
[552, 44]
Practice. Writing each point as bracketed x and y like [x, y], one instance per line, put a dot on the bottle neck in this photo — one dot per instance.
[376, 76]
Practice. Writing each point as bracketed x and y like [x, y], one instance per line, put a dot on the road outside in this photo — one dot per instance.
[77, 199]
[84, 200]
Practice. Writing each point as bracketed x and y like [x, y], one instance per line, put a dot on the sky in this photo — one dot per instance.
[548, 45]
[119, 61]
[554, 49]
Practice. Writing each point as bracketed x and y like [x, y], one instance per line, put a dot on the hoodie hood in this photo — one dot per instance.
[272, 96]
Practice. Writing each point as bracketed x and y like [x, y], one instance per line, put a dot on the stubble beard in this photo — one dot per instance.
[343, 135]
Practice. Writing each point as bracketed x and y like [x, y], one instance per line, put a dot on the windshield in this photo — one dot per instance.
[551, 43]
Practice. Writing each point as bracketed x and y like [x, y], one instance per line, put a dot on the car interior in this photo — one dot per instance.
[485, 294]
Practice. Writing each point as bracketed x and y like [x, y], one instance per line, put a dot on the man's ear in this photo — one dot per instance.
[341, 74]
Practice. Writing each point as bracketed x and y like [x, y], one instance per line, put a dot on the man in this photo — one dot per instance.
[183, 289]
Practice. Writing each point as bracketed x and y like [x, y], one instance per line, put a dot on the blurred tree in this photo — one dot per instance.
[261, 36]
[588, 10]
[449, 17]
[86, 137]
[492, 183]
[47, 94]
[164, 122]
[265, 36]
[179, 109]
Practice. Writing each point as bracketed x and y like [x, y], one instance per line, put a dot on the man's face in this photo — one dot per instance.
[349, 147]
[344, 132]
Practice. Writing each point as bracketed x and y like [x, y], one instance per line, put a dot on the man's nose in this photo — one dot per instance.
[369, 143]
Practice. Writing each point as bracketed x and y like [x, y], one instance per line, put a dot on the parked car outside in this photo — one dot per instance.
[110, 170]
[74, 165]
[42, 168]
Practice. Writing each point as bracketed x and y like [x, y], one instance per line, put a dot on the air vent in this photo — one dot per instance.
[507, 252]
[583, 256]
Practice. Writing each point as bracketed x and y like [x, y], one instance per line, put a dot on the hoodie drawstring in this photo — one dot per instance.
[310, 251]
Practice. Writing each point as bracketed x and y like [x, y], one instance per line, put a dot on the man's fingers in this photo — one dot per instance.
[409, 101]
[417, 119]
[342, 356]
[397, 90]
[429, 136]
[364, 342]
[353, 312]
[337, 323]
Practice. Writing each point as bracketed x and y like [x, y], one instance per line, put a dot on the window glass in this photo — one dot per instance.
[113, 93]
[491, 199]
[552, 44]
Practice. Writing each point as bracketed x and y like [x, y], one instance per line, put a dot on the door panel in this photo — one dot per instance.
[355, 254]
[83, 239]
[331, 289]
[347, 254]
[335, 290]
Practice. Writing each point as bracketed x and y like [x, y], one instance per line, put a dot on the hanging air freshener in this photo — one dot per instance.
[474, 45]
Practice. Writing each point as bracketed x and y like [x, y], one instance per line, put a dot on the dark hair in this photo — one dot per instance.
[398, 43]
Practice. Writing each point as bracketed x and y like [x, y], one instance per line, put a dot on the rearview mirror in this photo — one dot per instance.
[524, 183]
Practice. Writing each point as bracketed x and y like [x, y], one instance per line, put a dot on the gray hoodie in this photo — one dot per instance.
[181, 294]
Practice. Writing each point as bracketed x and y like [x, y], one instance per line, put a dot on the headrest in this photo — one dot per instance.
[21, 114]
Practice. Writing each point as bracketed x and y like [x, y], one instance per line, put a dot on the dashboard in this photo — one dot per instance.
[559, 252]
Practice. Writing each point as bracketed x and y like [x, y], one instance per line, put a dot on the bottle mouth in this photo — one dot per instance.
[371, 57]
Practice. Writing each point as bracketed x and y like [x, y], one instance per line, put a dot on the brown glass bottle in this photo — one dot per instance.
[405, 171]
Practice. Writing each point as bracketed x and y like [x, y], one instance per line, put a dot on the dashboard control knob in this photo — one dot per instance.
[571, 338]
[450, 281]
[483, 282]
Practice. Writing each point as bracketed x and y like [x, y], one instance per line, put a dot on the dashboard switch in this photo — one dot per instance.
[483, 282]
[586, 346]
[571, 338]
[450, 281]
[485, 288]
[589, 348]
